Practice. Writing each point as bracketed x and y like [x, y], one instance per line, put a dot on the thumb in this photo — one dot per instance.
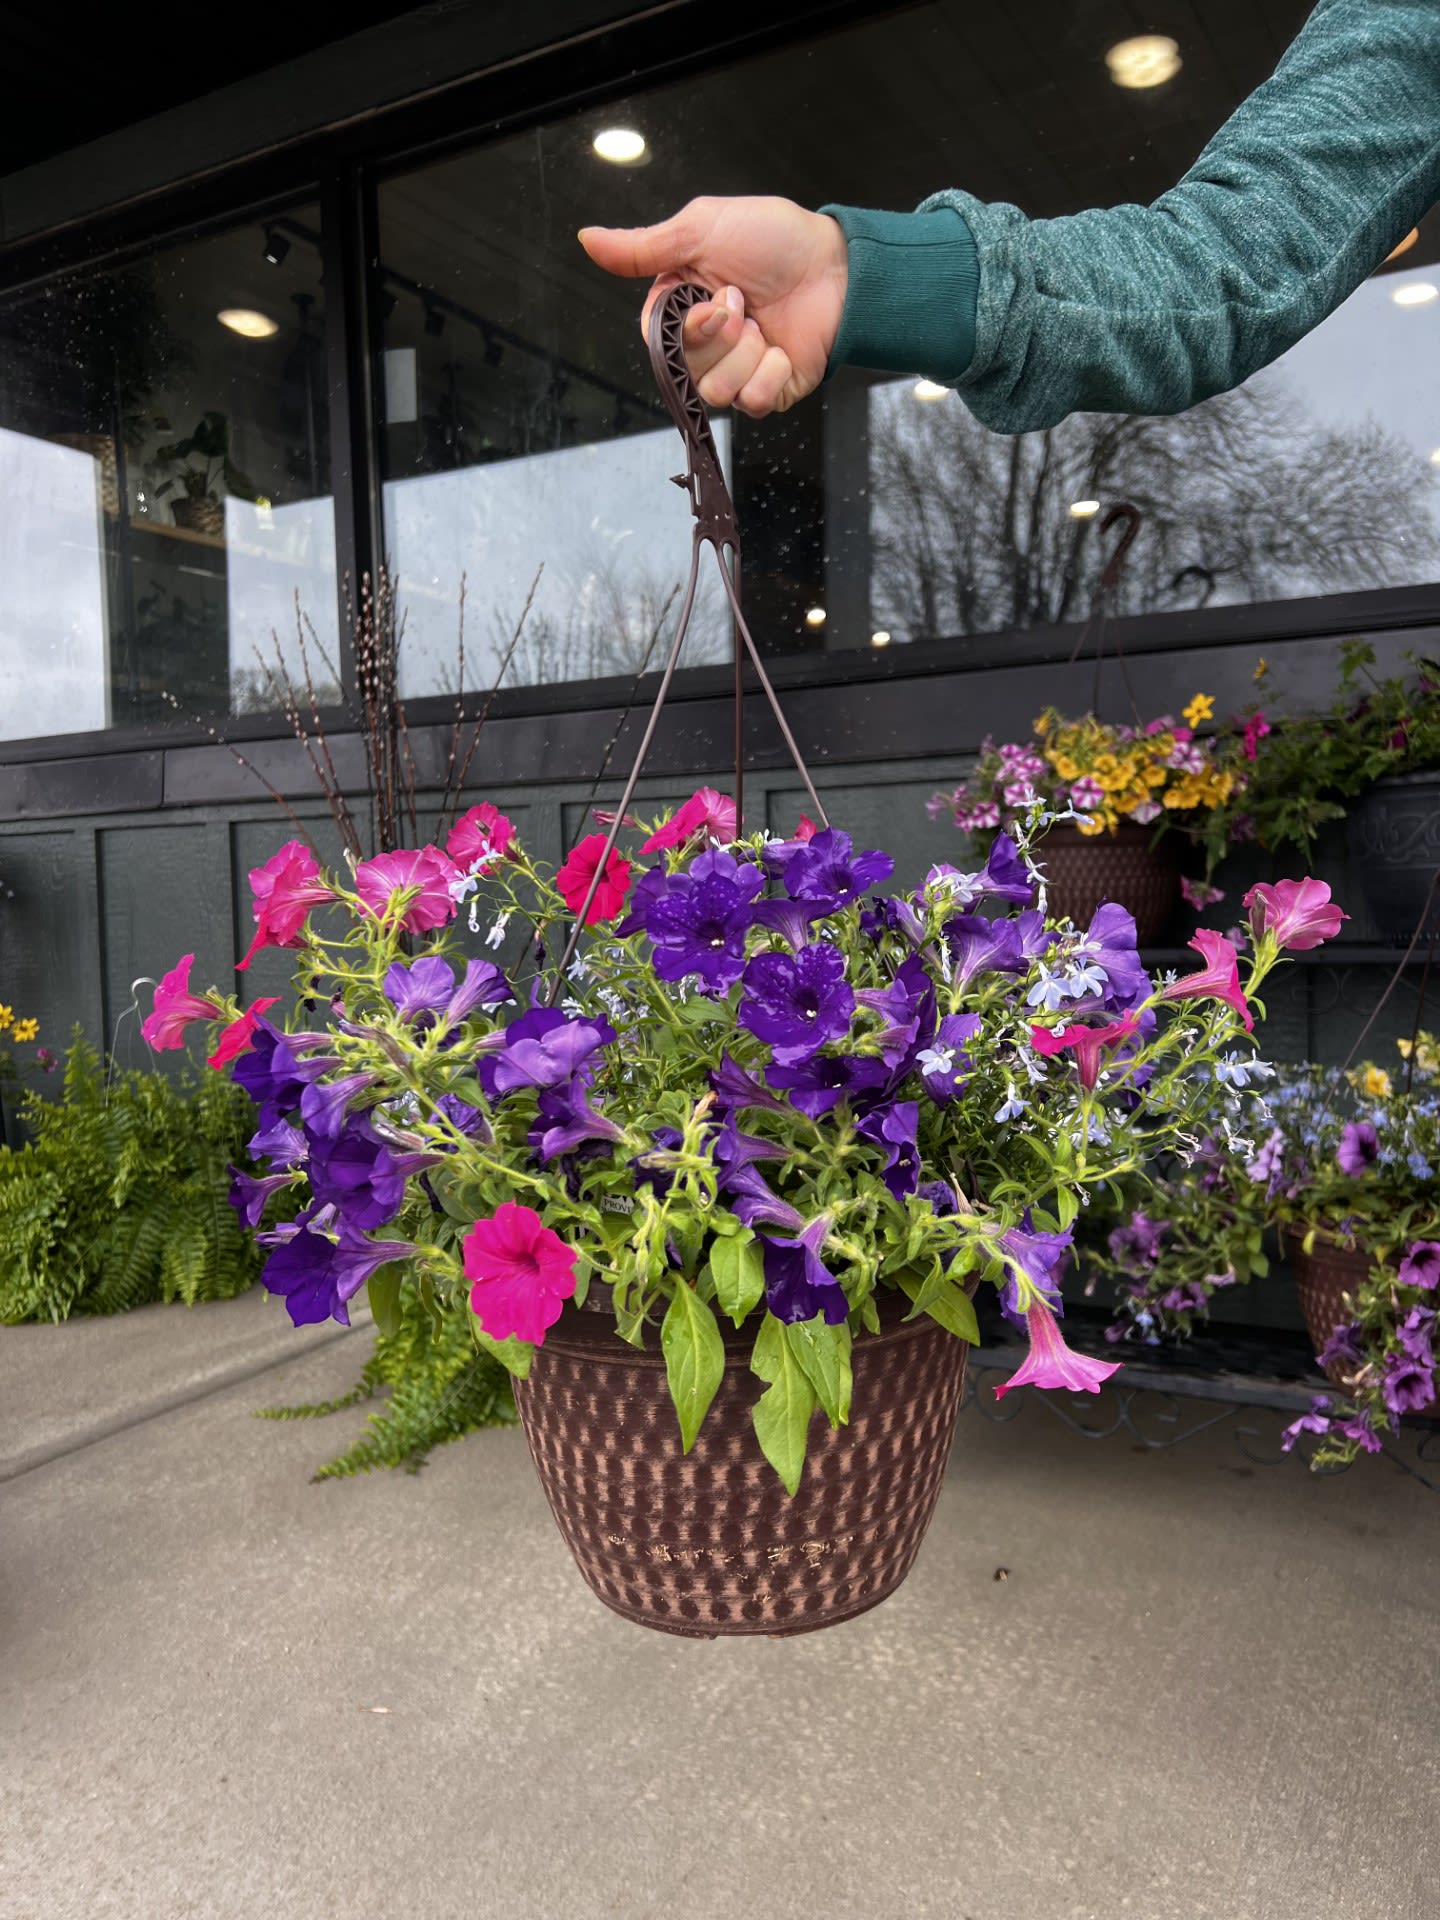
[635, 252]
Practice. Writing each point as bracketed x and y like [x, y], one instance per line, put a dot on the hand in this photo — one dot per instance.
[778, 274]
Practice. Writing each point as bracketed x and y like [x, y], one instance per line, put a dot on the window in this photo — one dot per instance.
[520, 424]
[165, 466]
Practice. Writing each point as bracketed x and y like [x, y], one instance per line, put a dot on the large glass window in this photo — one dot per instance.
[165, 469]
[520, 426]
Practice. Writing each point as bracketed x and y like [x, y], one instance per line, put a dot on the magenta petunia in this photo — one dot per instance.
[425, 871]
[575, 877]
[286, 887]
[238, 1035]
[521, 1273]
[1087, 1043]
[176, 1007]
[1050, 1363]
[1298, 912]
[706, 814]
[479, 837]
[1218, 980]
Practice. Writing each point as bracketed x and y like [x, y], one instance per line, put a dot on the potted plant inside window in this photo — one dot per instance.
[1129, 796]
[717, 1189]
[190, 470]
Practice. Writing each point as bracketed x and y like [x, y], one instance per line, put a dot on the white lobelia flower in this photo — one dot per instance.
[496, 936]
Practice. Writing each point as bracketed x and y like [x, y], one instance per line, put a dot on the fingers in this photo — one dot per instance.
[712, 330]
[765, 391]
[636, 251]
[725, 379]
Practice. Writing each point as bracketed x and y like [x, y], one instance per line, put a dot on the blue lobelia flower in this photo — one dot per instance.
[543, 1048]
[798, 1285]
[816, 1085]
[945, 1065]
[893, 1128]
[827, 868]
[797, 1003]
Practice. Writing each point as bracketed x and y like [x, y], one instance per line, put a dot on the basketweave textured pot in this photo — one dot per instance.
[1084, 870]
[709, 1543]
[1393, 835]
[1323, 1279]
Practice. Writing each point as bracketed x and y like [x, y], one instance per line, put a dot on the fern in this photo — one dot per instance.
[119, 1196]
[441, 1387]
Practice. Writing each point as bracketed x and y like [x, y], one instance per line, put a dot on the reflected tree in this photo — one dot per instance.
[614, 621]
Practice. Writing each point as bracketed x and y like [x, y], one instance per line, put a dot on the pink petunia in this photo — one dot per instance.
[425, 869]
[237, 1036]
[1298, 912]
[522, 1273]
[807, 828]
[1087, 1043]
[1050, 1363]
[1256, 728]
[1087, 793]
[1218, 980]
[286, 887]
[1199, 894]
[479, 837]
[176, 1007]
[574, 878]
[706, 813]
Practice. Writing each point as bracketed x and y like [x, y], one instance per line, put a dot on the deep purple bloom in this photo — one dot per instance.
[732, 1149]
[941, 1195]
[894, 1129]
[273, 1075]
[358, 1174]
[1138, 1244]
[699, 922]
[945, 1065]
[791, 919]
[1006, 876]
[1421, 1265]
[419, 987]
[888, 915]
[484, 985]
[465, 1118]
[827, 868]
[647, 1172]
[318, 1276]
[1360, 1429]
[1188, 1297]
[825, 1079]
[796, 1003]
[734, 1088]
[279, 1142]
[1036, 939]
[1408, 1386]
[1109, 944]
[248, 1195]
[324, 1103]
[797, 1283]
[1317, 1420]
[1417, 1335]
[1343, 1348]
[979, 945]
[1037, 1257]
[543, 1048]
[751, 1199]
[1359, 1148]
[567, 1120]
[908, 1008]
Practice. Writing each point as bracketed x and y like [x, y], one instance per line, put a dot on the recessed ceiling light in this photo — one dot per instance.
[247, 323]
[1416, 293]
[1147, 60]
[929, 390]
[880, 639]
[622, 146]
[815, 616]
[1084, 509]
[1404, 247]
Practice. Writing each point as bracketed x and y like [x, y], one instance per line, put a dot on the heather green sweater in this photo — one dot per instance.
[1133, 309]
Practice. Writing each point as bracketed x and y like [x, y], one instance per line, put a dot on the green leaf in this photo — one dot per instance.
[1067, 1206]
[514, 1355]
[782, 1413]
[824, 1355]
[946, 1304]
[383, 1288]
[738, 1268]
[447, 1192]
[694, 1358]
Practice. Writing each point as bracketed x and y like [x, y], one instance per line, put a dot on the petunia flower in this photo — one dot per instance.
[1421, 1265]
[1199, 894]
[273, 1073]
[816, 1085]
[751, 1198]
[324, 1104]
[176, 1007]
[1407, 1384]
[479, 838]
[797, 1003]
[566, 1120]
[575, 877]
[978, 945]
[826, 867]
[1109, 945]
[1050, 1363]
[807, 828]
[521, 1272]
[239, 1036]
[418, 988]
[893, 1129]
[1416, 1333]
[798, 1285]
[1087, 1043]
[248, 1194]
[698, 921]
[484, 985]
[285, 888]
[1298, 912]
[1317, 1420]
[543, 1048]
[791, 919]
[706, 813]
[1359, 1148]
[1218, 980]
[1006, 875]
[734, 1088]
[358, 1173]
[317, 1275]
[425, 870]
[907, 1007]
[1034, 1263]
[1256, 728]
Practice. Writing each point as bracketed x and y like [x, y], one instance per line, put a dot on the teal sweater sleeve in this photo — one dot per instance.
[1135, 309]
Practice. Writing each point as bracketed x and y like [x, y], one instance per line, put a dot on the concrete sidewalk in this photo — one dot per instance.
[1206, 1690]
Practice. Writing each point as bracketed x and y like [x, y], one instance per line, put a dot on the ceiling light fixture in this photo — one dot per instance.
[276, 246]
[247, 323]
[929, 390]
[880, 639]
[815, 616]
[1146, 60]
[1416, 293]
[1084, 509]
[621, 146]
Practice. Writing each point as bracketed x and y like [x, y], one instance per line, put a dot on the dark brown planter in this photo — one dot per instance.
[709, 1542]
[1323, 1278]
[1393, 832]
[200, 513]
[1083, 870]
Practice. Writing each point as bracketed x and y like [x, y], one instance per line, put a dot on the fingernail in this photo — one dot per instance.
[712, 323]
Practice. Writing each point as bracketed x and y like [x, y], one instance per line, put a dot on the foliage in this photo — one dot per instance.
[1101, 773]
[120, 1197]
[748, 1101]
[194, 463]
[22, 1031]
[1303, 770]
[441, 1387]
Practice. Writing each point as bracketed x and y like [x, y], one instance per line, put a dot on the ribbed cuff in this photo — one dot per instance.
[914, 279]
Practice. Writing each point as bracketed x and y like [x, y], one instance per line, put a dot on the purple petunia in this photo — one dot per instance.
[791, 919]
[734, 1088]
[274, 1075]
[1006, 875]
[279, 1142]
[827, 868]
[887, 915]
[484, 985]
[1421, 1265]
[418, 989]
[820, 1083]
[1407, 1385]
[358, 1174]
[893, 1129]
[1416, 1334]
[317, 1275]
[1343, 1348]
[248, 1195]
[697, 922]
[566, 1120]
[1109, 946]
[798, 1285]
[978, 945]
[751, 1199]
[325, 1103]
[907, 1007]
[1038, 1258]
[797, 1003]
[1358, 1150]
[543, 1048]
[945, 1065]
[1317, 1420]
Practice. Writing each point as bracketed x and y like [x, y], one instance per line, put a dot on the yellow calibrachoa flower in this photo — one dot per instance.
[1201, 708]
[1065, 765]
[1427, 1056]
[25, 1029]
[1374, 1083]
[7, 1014]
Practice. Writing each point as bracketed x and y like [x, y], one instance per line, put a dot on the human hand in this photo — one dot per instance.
[778, 273]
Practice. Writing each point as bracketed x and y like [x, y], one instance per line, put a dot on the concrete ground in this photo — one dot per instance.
[1205, 1691]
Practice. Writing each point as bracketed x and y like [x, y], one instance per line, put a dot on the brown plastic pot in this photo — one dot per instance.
[1084, 870]
[1323, 1278]
[709, 1542]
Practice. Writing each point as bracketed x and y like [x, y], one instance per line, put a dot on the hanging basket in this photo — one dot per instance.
[1084, 870]
[709, 1542]
[1393, 835]
[1323, 1278]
